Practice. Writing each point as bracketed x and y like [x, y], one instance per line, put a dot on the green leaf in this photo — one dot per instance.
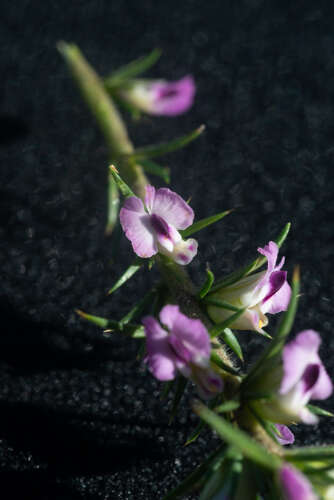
[220, 327]
[235, 437]
[319, 411]
[167, 388]
[231, 340]
[218, 362]
[123, 187]
[195, 478]
[133, 330]
[201, 224]
[181, 384]
[97, 320]
[196, 433]
[275, 347]
[134, 68]
[253, 266]
[220, 303]
[153, 168]
[127, 275]
[207, 284]
[227, 406]
[137, 309]
[148, 152]
[310, 453]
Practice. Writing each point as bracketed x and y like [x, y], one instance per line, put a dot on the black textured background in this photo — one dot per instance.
[79, 417]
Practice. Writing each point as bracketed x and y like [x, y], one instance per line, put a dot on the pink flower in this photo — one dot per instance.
[182, 346]
[261, 293]
[154, 228]
[159, 97]
[295, 485]
[302, 378]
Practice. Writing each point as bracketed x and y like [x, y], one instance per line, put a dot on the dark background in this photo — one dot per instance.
[79, 416]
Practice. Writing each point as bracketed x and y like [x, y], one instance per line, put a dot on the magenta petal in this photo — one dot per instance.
[173, 209]
[295, 485]
[284, 435]
[209, 383]
[160, 358]
[137, 228]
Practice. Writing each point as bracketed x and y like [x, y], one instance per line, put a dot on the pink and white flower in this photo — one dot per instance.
[267, 292]
[303, 378]
[183, 345]
[154, 227]
[159, 97]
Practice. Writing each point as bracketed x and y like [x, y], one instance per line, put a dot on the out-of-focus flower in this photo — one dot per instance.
[154, 227]
[261, 293]
[295, 486]
[159, 97]
[284, 435]
[184, 346]
[303, 377]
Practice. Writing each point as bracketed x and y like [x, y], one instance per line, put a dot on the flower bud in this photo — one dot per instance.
[159, 97]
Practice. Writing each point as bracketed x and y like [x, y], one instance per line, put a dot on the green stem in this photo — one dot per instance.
[109, 121]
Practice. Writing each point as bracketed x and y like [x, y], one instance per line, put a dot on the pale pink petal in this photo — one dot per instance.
[137, 227]
[160, 357]
[172, 208]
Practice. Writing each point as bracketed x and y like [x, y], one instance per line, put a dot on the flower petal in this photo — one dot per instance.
[173, 98]
[137, 228]
[295, 485]
[191, 334]
[184, 251]
[172, 208]
[284, 435]
[297, 354]
[279, 301]
[160, 357]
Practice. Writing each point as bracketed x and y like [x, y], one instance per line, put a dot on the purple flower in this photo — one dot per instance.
[301, 377]
[295, 485]
[159, 97]
[284, 435]
[304, 376]
[154, 227]
[261, 293]
[182, 346]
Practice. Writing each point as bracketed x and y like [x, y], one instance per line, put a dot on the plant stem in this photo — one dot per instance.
[110, 123]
